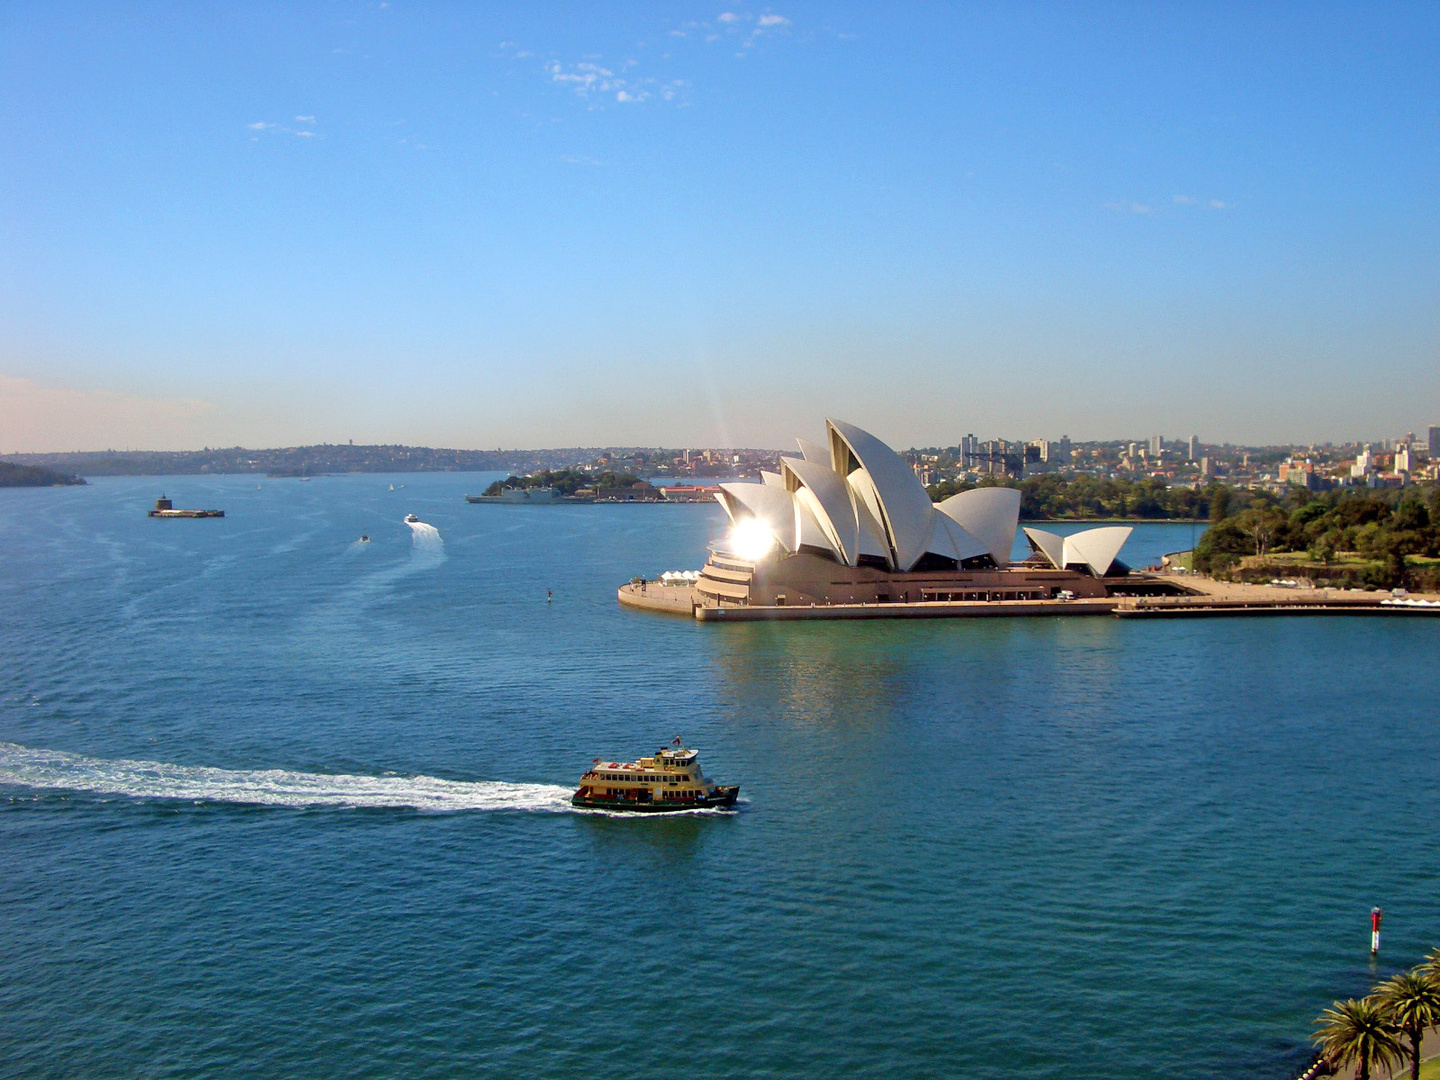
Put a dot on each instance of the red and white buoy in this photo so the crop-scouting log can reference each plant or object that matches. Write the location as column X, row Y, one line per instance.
column 1375, row 914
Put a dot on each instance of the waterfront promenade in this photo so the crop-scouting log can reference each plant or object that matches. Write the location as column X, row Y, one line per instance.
column 1208, row 598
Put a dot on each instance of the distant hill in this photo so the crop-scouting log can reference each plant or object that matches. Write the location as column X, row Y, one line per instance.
column 33, row 476
column 348, row 458
column 303, row 460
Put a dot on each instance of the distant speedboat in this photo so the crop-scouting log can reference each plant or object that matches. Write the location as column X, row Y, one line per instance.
column 364, row 539
column 411, row 519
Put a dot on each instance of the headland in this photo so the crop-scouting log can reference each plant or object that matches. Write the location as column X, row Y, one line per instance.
column 845, row 530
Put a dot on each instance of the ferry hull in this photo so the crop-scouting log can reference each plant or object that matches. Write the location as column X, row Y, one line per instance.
column 724, row 796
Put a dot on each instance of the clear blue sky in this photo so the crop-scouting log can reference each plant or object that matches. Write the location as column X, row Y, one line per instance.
column 556, row 224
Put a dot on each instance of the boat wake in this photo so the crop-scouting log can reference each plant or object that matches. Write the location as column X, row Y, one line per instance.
column 57, row 770
column 425, row 537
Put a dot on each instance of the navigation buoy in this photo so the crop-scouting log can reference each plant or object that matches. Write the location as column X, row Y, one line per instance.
column 547, row 596
column 1375, row 914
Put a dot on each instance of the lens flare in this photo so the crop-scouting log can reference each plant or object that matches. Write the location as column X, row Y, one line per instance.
column 751, row 540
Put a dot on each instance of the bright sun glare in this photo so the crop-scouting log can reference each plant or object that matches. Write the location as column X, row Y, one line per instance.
column 751, row 540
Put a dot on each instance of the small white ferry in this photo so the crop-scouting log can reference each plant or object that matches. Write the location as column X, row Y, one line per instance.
column 671, row 780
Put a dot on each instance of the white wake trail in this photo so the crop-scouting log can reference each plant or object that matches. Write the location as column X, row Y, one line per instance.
column 56, row 769
column 425, row 541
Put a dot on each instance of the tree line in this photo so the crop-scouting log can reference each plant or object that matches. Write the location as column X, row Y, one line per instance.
column 565, row 481
column 1054, row 496
column 1380, row 526
column 33, row 476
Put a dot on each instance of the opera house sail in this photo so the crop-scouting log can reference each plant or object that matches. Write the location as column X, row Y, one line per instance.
column 849, row 522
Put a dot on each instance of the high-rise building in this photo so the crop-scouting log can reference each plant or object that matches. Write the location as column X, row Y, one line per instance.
column 968, row 447
column 1064, row 449
column 1157, row 444
column 1402, row 460
column 1434, row 442
column 1194, row 454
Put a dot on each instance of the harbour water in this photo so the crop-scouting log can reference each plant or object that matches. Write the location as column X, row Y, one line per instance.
column 278, row 803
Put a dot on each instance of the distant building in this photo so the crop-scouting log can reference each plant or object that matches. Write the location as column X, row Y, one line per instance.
column 1157, row 445
column 1304, row 474
column 1402, row 460
column 1434, row 446
column 1194, row 454
column 688, row 493
column 1205, row 466
column 639, row 492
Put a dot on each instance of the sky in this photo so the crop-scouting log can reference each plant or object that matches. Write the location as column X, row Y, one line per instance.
column 560, row 224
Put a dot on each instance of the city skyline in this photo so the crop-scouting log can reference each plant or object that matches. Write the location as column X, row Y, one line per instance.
column 686, row 226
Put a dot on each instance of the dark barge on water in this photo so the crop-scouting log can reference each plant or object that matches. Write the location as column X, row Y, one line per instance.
column 164, row 509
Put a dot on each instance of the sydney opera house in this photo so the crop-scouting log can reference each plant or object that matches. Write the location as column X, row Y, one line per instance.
column 850, row 523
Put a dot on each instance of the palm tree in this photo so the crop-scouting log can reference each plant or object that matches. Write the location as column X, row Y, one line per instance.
column 1430, row 965
column 1411, row 1001
column 1358, row 1031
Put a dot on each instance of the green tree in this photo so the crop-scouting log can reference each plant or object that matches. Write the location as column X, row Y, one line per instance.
column 1219, row 502
column 1410, row 515
column 1358, row 1031
column 1430, row 965
column 1411, row 1001
column 1324, row 547
column 1262, row 525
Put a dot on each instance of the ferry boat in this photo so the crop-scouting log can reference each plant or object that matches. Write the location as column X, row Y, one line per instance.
column 671, row 780
column 411, row 519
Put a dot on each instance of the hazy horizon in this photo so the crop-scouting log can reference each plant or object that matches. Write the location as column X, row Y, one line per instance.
column 668, row 225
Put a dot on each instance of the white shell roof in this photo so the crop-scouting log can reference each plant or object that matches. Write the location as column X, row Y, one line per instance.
column 832, row 507
column 953, row 541
column 809, row 532
column 772, row 506
column 1051, row 545
column 859, row 498
column 813, row 451
column 1095, row 548
column 906, row 509
column 989, row 514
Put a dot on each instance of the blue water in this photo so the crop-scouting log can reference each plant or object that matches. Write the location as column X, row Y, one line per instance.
column 275, row 803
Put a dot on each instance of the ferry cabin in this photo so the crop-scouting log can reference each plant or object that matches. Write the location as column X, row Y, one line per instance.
column 669, row 776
